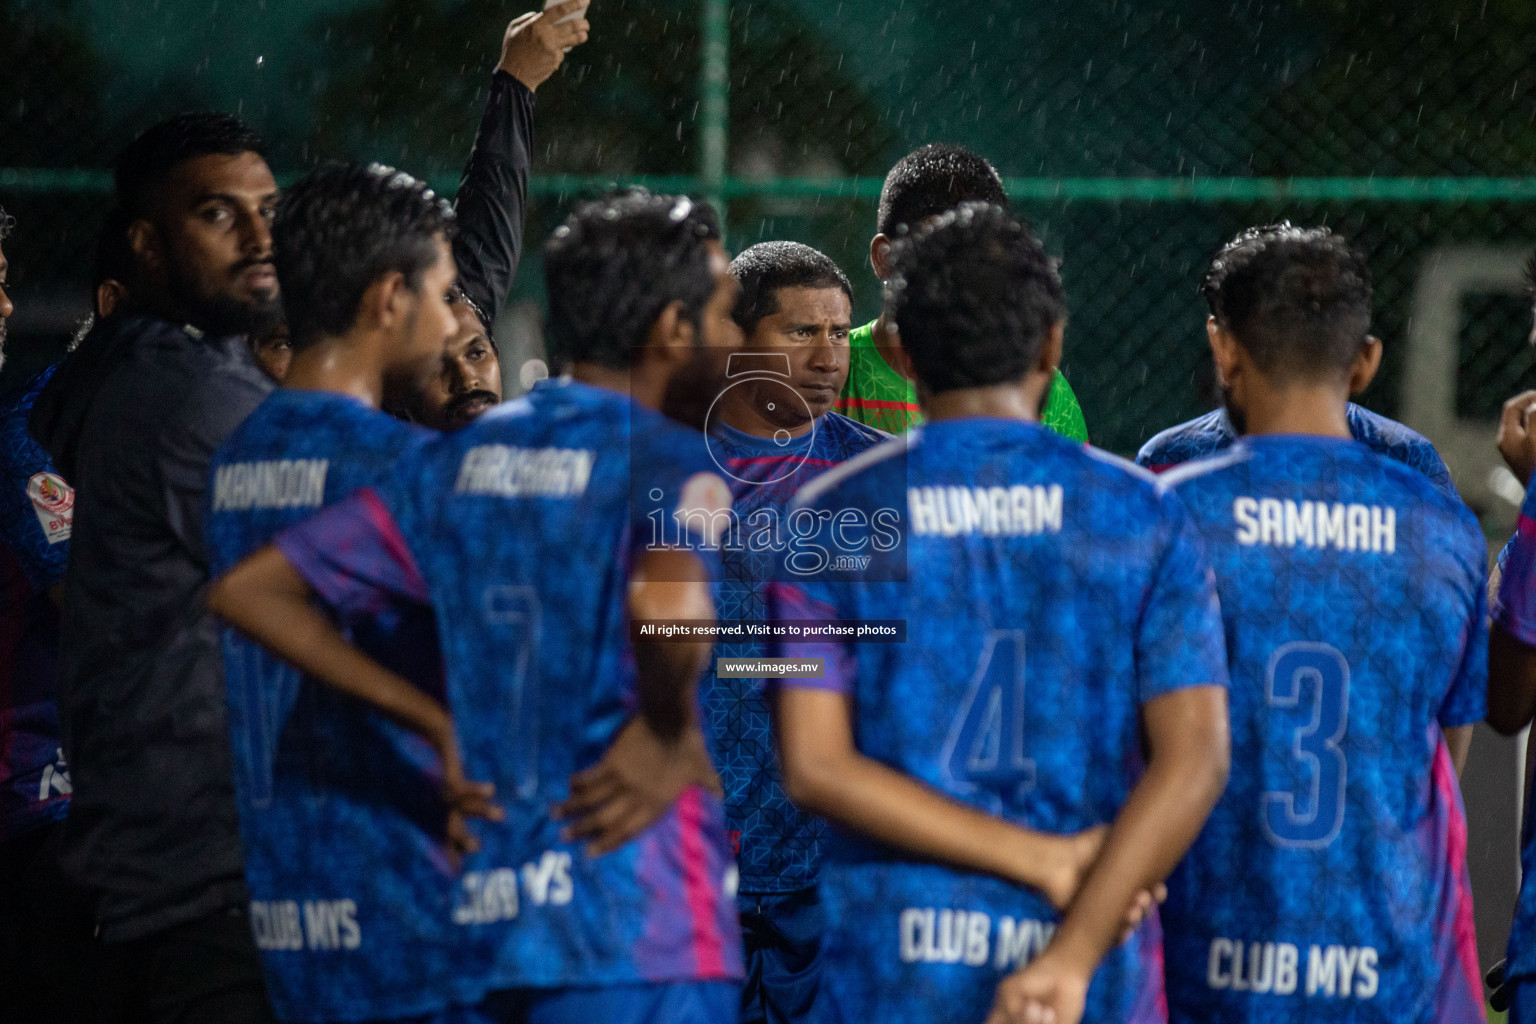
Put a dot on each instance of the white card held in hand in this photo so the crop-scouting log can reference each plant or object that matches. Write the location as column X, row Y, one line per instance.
column 569, row 17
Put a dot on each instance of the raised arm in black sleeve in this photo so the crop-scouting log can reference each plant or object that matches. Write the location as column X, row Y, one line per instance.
column 493, row 196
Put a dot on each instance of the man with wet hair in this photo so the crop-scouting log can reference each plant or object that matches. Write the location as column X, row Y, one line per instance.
column 539, row 533
column 1232, row 300
column 772, row 432
column 365, row 266
column 132, row 418
column 1063, row 671
column 797, row 304
column 925, row 183
column 1330, row 883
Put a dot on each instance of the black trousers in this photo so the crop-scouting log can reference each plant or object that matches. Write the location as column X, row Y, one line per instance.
column 203, row 972
column 53, row 968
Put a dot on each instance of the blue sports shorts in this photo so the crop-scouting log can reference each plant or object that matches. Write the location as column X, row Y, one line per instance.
column 781, row 936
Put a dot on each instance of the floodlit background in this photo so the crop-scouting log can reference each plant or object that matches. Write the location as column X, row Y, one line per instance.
column 1136, row 136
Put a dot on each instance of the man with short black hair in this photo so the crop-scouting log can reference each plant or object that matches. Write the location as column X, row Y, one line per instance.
column 132, row 418
column 467, row 382
column 1062, row 671
column 1353, row 595
column 1217, row 430
column 772, row 432
column 364, row 261
column 925, row 183
column 539, row 533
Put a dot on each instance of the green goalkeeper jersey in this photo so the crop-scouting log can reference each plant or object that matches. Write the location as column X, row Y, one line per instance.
column 878, row 396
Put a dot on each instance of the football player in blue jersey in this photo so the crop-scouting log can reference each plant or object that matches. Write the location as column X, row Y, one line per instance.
column 771, row 432
column 539, row 534
column 1218, row 429
column 1330, row 883
column 339, row 811
column 1063, row 669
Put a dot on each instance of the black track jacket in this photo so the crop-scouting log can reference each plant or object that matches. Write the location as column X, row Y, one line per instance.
column 132, row 419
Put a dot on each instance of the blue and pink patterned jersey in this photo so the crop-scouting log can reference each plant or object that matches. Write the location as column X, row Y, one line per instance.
column 522, row 529
column 340, row 814
column 1212, row 433
column 777, row 845
column 36, row 513
column 1049, row 592
column 1514, row 611
column 1330, row 883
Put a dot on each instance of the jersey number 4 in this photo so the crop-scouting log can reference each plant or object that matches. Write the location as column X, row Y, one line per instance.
column 1317, row 674
column 986, row 741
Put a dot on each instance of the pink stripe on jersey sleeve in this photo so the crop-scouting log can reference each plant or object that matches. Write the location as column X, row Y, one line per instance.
column 774, row 460
column 1150, row 999
column 1461, row 992
column 353, row 555
column 393, row 541
column 700, row 891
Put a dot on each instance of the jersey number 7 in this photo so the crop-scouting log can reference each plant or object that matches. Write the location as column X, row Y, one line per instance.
column 266, row 694
column 518, row 615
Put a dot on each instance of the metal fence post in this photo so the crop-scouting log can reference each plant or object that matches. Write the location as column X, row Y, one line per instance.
column 714, row 103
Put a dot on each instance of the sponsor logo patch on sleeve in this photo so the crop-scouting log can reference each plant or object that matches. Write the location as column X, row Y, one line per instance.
column 54, row 502
column 705, row 507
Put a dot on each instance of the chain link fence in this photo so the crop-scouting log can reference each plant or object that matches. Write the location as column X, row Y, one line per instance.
column 1136, row 136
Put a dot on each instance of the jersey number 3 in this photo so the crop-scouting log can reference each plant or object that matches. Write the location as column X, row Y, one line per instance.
column 1304, row 673
column 986, row 742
